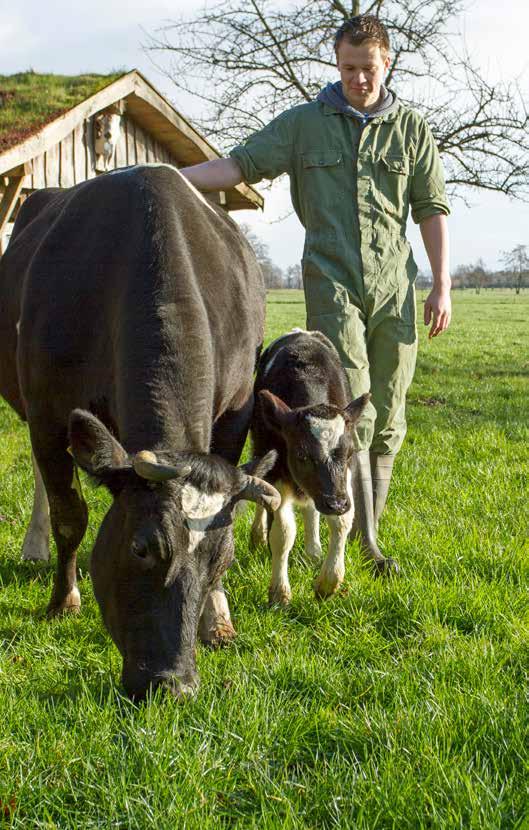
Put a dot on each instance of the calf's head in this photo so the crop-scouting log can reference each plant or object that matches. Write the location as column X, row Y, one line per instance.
column 165, row 541
column 319, row 444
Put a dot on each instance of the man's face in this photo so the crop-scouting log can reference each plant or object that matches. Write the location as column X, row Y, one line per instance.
column 362, row 69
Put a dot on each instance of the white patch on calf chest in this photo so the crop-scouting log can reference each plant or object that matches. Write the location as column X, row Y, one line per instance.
column 327, row 431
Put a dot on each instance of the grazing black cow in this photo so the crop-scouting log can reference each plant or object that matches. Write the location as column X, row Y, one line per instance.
column 131, row 312
column 304, row 411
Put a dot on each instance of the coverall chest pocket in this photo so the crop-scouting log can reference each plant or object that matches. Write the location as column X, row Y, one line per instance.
column 323, row 189
column 394, row 177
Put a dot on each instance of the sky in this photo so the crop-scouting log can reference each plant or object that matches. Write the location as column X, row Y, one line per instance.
column 105, row 35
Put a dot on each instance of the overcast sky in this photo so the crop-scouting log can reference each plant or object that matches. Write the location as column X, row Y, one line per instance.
column 105, row 35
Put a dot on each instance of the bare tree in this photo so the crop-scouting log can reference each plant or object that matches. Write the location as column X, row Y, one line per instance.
column 248, row 60
column 272, row 273
column 474, row 276
column 293, row 278
column 517, row 262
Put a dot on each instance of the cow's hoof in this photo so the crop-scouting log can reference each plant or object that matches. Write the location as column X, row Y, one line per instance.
column 279, row 596
column 218, row 635
column 386, row 567
column 325, row 586
column 70, row 604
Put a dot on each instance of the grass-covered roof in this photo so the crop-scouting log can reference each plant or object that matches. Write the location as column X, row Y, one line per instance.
column 29, row 100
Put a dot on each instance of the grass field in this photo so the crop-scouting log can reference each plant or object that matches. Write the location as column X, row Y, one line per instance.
column 400, row 704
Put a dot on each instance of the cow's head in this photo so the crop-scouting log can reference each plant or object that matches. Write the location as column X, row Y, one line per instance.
column 319, row 442
column 166, row 539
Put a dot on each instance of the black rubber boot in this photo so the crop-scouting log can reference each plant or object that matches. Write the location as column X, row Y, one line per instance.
column 381, row 469
column 364, row 519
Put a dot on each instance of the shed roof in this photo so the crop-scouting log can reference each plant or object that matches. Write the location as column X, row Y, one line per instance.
column 37, row 111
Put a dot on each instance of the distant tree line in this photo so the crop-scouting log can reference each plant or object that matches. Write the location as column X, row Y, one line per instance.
column 274, row 276
column 515, row 273
column 475, row 276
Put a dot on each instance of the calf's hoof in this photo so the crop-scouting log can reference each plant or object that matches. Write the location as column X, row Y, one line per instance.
column 314, row 556
column 325, row 586
column 279, row 596
column 386, row 567
column 218, row 635
column 257, row 539
column 70, row 604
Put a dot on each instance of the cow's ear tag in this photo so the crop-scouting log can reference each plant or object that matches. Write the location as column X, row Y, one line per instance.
column 69, row 449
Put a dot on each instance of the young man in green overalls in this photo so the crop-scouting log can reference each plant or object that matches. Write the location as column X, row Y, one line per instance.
column 358, row 160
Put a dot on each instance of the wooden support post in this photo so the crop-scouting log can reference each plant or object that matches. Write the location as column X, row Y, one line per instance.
column 11, row 194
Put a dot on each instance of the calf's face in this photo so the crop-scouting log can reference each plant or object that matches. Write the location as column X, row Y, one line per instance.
column 319, row 444
column 165, row 541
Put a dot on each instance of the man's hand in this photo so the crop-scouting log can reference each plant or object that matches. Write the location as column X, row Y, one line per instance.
column 438, row 311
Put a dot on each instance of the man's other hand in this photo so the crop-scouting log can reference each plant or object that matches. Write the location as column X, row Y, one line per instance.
column 437, row 311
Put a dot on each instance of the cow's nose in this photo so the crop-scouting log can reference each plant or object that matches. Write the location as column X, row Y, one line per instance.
column 108, row 135
column 336, row 504
column 182, row 688
column 138, row 685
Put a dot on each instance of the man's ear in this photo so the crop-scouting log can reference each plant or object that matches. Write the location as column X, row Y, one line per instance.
column 354, row 410
column 97, row 452
column 277, row 414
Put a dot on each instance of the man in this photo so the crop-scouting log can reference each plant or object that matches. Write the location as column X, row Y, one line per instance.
column 358, row 159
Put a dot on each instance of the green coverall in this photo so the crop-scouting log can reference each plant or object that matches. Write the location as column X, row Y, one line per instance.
column 352, row 187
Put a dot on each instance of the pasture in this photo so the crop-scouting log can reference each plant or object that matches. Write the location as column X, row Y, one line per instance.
column 400, row 704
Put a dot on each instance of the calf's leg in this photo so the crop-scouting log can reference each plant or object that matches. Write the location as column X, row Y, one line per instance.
column 36, row 545
column 333, row 569
column 259, row 531
column 229, row 435
column 311, row 527
column 281, row 540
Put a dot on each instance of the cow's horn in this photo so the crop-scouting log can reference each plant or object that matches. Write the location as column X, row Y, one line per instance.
column 146, row 465
column 261, row 492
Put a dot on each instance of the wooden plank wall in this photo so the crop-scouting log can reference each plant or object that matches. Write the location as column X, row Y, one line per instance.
column 73, row 159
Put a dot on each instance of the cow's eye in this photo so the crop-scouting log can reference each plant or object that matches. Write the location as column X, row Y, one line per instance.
column 301, row 455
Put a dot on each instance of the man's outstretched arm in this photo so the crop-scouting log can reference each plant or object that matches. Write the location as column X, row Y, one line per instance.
column 219, row 174
column 434, row 231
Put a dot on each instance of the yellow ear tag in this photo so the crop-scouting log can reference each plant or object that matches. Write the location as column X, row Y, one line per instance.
column 69, row 449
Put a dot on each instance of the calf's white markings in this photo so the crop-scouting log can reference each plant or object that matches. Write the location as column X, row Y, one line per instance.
column 327, row 431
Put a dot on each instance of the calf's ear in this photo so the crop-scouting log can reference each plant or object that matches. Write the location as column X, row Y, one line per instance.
column 354, row 410
column 96, row 451
column 260, row 466
column 276, row 412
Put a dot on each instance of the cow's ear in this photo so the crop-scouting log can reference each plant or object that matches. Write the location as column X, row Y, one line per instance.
column 96, row 451
column 277, row 414
column 354, row 410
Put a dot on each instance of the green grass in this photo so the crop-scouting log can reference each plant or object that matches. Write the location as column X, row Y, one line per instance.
column 29, row 100
column 399, row 704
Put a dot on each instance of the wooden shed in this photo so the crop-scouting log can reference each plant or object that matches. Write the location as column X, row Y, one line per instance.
column 125, row 122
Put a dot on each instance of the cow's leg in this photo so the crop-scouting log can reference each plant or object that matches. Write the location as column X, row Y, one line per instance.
column 259, row 531
column 281, row 540
column 215, row 626
column 229, row 435
column 69, row 517
column 311, row 526
column 333, row 569
column 36, row 544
